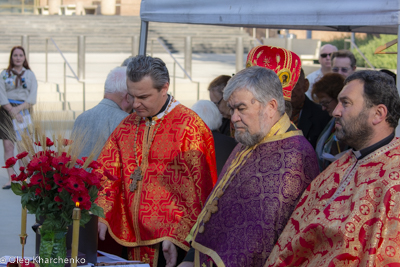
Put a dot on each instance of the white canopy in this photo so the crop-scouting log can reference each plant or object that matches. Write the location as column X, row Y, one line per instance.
column 370, row 16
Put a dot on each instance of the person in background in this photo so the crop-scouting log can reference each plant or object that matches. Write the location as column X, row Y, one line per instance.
column 18, row 93
column 390, row 73
column 343, row 62
column 211, row 116
column 349, row 214
column 307, row 115
column 97, row 124
column 324, row 59
column 215, row 89
column 325, row 92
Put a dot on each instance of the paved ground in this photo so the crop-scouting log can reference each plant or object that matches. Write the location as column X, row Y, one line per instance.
column 10, row 223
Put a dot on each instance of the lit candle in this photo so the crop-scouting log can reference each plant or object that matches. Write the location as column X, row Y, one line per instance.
column 76, row 217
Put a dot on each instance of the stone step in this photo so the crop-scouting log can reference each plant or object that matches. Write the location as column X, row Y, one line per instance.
column 109, row 34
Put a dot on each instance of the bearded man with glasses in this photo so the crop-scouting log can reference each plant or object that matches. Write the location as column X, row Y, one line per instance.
column 325, row 61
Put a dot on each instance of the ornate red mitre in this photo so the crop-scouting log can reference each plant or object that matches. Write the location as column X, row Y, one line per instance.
column 285, row 63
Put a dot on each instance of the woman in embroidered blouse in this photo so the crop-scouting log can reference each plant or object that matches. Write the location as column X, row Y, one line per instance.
column 18, row 91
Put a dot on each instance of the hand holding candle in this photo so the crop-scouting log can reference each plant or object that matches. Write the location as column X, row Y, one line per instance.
column 76, row 217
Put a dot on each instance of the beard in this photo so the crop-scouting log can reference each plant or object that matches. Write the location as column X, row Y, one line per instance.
column 248, row 139
column 355, row 132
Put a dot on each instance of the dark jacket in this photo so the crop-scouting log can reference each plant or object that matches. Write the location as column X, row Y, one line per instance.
column 312, row 121
column 223, row 148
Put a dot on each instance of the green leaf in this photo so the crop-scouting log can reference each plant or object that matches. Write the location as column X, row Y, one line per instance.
column 96, row 210
column 93, row 193
column 16, row 188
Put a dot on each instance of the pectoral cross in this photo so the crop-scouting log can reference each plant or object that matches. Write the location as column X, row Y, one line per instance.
column 135, row 177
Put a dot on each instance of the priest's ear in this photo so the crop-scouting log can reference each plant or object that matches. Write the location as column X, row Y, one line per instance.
column 164, row 89
column 380, row 113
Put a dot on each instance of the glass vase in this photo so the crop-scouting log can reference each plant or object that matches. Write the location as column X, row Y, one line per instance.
column 53, row 247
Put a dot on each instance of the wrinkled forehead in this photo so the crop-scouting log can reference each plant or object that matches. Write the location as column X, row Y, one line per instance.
column 241, row 95
column 354, row 91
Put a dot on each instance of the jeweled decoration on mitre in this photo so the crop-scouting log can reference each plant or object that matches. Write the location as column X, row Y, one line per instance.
column 284, row 63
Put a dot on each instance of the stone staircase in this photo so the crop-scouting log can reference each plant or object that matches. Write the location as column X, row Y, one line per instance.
column 114, row 34
column 108, row 43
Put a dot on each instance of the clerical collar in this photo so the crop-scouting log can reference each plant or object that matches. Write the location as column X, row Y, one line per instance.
column 162, row 109
column 360, row 154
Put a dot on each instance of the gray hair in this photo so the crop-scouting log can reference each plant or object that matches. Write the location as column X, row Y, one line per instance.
column 116, row 81
column 143, row 66
column 126, row 61
column 263, row 83
column 209, row 113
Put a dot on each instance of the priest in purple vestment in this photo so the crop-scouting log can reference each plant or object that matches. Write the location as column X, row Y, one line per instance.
column 260, row 183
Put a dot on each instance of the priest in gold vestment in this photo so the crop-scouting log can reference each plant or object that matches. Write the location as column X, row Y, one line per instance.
column 350, row 214
column 163, row 155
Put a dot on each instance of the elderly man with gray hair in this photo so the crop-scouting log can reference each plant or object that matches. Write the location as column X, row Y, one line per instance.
column 262, row 180
column 96, row 125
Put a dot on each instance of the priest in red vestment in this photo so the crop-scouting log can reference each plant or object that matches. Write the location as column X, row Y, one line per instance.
column 349, row 215
column 265, row 174
column 163, row 155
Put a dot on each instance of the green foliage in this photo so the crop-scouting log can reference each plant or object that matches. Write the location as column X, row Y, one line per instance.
column 368, row 46
column 377, row 60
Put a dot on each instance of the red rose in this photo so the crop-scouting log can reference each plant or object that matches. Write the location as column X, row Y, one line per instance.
column 13, row 177
column 80, row 162
column 36, row 179
column 34, row 165
column 22, row 155
column 22, row 168
column 38, row 191
column 23, row 187
column 58, row 179
column 93, row 179
column 67, row 142
column 61, row 160
column 75, row 184
column 110, row 176
column 94, row 165
column 49, row 143
column 57, row 199
column 21, row 177
column 10, row 162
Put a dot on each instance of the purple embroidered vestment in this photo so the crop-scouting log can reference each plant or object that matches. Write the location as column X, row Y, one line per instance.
column 254, row 197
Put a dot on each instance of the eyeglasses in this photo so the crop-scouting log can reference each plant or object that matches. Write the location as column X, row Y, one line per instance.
column 324, row 55
column 343, row 70
column 219, row 102
column 325, row 103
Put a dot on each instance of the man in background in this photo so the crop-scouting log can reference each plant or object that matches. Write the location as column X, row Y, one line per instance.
column 96, row 125
column 324, row 59
column 344, row 63
column 307, row 115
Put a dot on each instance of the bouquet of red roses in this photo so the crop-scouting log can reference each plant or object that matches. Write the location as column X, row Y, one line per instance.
column 52, row 182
